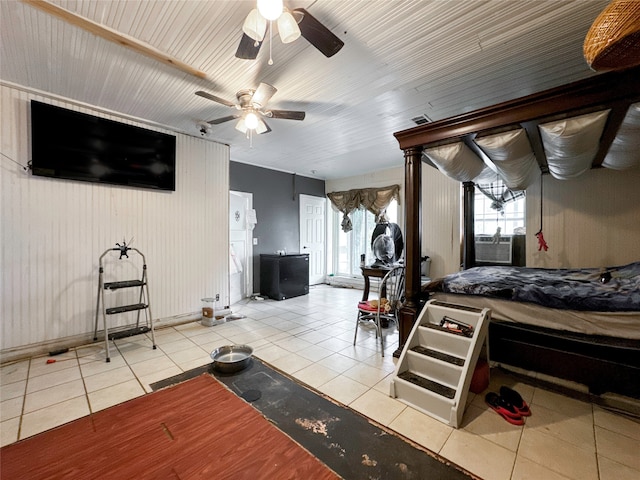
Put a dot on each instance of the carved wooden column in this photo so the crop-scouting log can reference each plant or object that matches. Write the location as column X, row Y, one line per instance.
column 469, row 252
column 413, row 245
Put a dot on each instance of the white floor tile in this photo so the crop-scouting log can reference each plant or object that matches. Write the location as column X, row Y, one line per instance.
column 564, row 439
column 115, row 394
column 107, row 379
column 339, row 363
column 52, row 395
column 52, row 379
column 576, row 429
column 315, row 375
column 610, row 470
column 617, row 447
column 488, row 424
column 291, row 363
column 525, row 469
column 378, row 406
column 158, row 375
column 365, row 374
column 422, row 429
column 557, row 455
column 149, row 367
column 12, row 390
column 270, row 352
column 91, row 366
column 617, row 423
column 52, row 416
column 9, row 431
column 11, row 408
column 478, row 455
column 343, row 389
column 14, row 372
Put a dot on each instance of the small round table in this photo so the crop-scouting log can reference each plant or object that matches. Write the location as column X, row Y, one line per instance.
column 368, row 272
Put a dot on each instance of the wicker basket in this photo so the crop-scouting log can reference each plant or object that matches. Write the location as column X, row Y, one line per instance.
column 613, row 41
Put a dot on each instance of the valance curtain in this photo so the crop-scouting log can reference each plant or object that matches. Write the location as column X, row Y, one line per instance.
column 375, row 200
column 499, row 194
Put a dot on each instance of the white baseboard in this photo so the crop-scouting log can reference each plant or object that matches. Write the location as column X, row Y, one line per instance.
column 43, row 348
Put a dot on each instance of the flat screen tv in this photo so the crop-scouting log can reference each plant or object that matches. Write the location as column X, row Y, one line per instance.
column 76, row 146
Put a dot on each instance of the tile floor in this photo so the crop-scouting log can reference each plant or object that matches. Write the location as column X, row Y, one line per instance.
column 310, row 338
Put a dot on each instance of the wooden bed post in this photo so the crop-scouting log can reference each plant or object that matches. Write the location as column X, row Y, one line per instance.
column 413, row 245
column 469, row 251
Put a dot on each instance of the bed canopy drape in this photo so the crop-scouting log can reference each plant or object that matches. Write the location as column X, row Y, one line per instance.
column 563, row 132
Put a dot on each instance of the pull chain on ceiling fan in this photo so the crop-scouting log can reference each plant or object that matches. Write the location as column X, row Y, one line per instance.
column 255, row 25
column 251, row 106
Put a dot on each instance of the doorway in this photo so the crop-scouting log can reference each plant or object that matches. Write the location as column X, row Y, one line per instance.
column 240, row 246
column 312, row 235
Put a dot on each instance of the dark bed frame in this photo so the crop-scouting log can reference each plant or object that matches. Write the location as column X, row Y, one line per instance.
column 604, row 364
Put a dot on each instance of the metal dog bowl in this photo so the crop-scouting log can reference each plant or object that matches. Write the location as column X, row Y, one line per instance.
column 231, row 358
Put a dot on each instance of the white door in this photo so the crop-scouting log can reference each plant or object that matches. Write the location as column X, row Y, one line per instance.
column 312, row 235
column 240, row 247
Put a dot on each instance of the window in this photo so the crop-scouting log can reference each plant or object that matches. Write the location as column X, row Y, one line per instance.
column 347, row 247
column 487, row 219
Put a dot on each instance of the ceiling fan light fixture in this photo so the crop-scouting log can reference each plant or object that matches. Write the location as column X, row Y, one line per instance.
column 288, row 28
column 251, row 120
column 241, row 126
column 255, row 25
column 270, row 9
column 261, row 127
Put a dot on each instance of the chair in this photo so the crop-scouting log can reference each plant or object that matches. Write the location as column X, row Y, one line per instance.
column 386, row 306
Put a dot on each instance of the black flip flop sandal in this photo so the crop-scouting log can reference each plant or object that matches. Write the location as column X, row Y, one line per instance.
column 503, row 408
column 514, row 398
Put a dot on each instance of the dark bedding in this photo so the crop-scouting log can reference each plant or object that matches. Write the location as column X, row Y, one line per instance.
column 614, row 289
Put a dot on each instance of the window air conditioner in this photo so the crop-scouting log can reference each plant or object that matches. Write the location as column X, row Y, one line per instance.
column 490, row 251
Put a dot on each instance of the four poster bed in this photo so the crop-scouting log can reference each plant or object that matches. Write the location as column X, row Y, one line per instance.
column 578, row 325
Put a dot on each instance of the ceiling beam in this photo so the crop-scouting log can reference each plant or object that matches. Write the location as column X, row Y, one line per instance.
column 113, row 36
column 535, row 139
column 614, row 121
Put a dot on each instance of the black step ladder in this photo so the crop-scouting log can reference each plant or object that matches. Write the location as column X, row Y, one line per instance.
column 434, row 371
column 143, row 303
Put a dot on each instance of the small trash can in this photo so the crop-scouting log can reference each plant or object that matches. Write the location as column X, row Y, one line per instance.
column 208, row 312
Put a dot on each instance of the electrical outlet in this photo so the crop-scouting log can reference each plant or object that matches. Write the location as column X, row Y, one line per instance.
column 255, row 241
column 217, row 297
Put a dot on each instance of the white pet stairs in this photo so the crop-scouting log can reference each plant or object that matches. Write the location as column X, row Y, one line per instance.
column 435, row 368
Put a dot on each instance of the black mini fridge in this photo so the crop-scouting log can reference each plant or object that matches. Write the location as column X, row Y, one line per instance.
column 284, row 276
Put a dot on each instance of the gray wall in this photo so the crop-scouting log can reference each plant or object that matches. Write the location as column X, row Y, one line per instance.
column 276, row 202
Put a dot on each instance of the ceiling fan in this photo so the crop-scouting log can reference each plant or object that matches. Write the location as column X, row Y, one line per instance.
column 291, row 24
column 251, row 105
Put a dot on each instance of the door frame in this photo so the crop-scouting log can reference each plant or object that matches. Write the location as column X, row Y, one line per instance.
column 248, row 267
column 324, row 240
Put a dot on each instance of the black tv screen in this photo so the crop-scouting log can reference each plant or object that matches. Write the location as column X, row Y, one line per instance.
column 76, row 146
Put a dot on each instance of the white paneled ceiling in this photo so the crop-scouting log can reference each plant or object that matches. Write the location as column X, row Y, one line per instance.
column 401, row 59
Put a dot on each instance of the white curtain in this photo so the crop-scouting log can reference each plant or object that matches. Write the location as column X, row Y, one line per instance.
column 571, row 144
column 512, row 157
column 456, row 161
column 625, row 149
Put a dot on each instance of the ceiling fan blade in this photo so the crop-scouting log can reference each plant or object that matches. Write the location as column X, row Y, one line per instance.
column 218, row 121
column 286, row 114
column 263, row 94
column 318, row 35
column 247, row 49
column 208, row 96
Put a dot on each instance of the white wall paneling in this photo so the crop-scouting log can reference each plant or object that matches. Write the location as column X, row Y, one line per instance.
column 441, row 221
column 52, row 233
column 589, row 221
